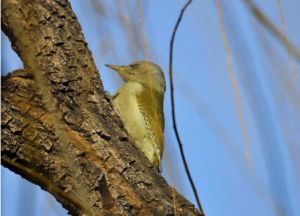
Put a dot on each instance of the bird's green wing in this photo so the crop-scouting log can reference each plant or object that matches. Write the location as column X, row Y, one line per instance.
column 151, row 104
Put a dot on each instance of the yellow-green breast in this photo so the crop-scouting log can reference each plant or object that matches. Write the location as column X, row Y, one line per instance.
column 141, row 110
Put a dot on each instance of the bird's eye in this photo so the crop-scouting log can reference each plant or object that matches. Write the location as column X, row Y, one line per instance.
column 134, row 65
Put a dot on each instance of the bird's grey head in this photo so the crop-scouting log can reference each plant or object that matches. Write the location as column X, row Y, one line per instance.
column 146, row 73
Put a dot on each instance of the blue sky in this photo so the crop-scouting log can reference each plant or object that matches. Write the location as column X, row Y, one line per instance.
column 205, row 103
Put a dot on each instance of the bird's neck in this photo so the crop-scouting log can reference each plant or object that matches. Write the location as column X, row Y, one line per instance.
column 155, row 86
column 155, row 90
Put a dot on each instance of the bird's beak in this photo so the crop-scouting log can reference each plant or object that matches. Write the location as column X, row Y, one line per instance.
column 114, row 67
column 117, row 68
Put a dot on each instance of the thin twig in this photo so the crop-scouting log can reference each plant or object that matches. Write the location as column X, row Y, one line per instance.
column 271, row 27
column 234, row 85
column 153, row 99
column 285, row 37
column 173, row 108
column 146, row 55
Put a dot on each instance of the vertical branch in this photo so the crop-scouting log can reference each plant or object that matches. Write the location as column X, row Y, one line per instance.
column 152, row 96
column 288, row 49
column 148, row 68
column 146, row 54
column 173, row 107
column 234, row 85
column 145, row 44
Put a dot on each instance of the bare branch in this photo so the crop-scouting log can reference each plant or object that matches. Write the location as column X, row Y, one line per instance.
column 234, row 85
column 271, row 27
column 173, row 107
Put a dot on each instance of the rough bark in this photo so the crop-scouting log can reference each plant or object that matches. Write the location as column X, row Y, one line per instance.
column 59, row 129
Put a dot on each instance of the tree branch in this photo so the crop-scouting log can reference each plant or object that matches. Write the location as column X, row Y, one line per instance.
column 59, row 129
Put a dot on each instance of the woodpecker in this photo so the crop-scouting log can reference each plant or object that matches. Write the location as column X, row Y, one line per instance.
column 139, row 103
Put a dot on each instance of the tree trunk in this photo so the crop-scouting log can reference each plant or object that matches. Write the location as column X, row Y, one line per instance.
column 59, row 129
